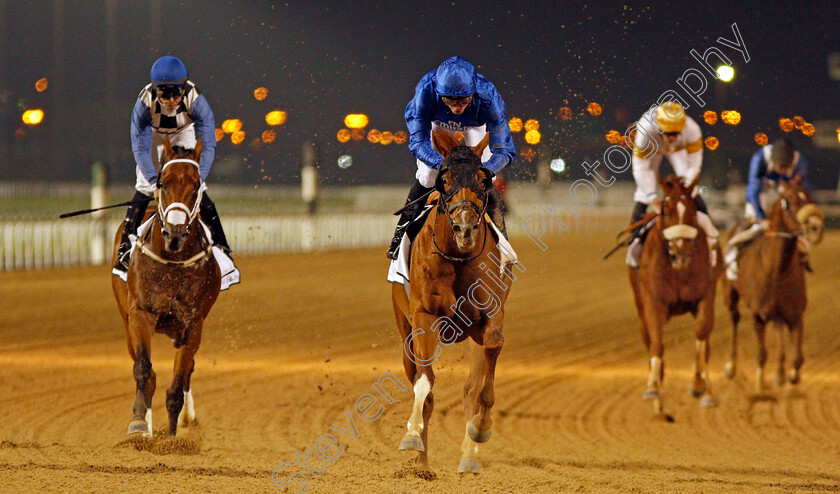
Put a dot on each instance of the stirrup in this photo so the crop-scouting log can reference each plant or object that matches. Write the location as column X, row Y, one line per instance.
column 123, row 257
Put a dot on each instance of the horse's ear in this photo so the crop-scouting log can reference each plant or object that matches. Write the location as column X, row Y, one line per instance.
column 167, row 147
column 197, row 150
column 485, row 178
column 694, row 183
column 479, row 148
column 443, row 142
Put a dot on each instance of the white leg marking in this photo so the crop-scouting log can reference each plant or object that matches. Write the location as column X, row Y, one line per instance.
column 421, row 390
column 655, row 372
column 149, row 422
column 187, row 415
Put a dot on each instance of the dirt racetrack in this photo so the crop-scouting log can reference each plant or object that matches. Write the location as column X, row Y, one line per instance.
column 285, row 353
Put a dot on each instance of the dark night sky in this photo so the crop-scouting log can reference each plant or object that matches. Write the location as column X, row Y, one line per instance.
column 322, row 60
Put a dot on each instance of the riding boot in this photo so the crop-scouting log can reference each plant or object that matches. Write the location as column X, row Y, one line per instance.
column 133, row 217
column 634, row 250
column 409, row 214
column 700, row 204
column 207, row 211
column 495, row 209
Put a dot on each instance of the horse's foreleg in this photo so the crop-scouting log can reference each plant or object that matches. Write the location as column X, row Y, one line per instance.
column 735, row 316
column 796, row 333
column 404, row 327
column 654, row 314
column 422, row 350
column 761, row 354
column 480, row 426
column 179, row 394
column 637, row 298
column 702, row 386
column 478, row 365
column 141, row 327
column 779, row 378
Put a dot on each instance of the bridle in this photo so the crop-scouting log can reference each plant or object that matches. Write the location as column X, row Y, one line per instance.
column 447, row 210
column 674, row 232
column 180, row 214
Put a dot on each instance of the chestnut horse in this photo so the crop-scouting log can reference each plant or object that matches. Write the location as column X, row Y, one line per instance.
column 675, row 276
column 172, row 282
column 771, row 280
column 453, row 258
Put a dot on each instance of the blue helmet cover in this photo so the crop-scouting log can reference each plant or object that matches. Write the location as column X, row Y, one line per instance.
column 455, row 78
column 168, row 70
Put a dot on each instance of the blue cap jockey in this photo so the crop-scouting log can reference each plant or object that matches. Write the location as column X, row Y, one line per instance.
column 773, row 163
column 454, row 98
column 170, row 105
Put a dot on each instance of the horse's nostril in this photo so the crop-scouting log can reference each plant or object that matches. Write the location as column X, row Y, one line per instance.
column 456, row 228
column 165, row 233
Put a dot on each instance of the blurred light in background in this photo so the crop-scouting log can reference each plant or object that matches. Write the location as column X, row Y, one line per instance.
column 357, row 134
column 532, row 137
column 786, row 124
column 386, row 138
column 515, row 124
column 41, row 85
column 725, row 73
column 528, row 153
column 232, row 125
column 712, row 143
column 594, row 109
column 530, row 125
column 343, row 135
column 268, row 136
column 275, row 117
column 564, row 113
column 558, row 165
column 798, row 122
column 400, row 137
column 710, row 117
column 373, row 136
column 613, row 137
column 32, row 117
column 761, row 139
column 356, row 121
column 260, row 93
column 345, row 161
column 730, row 117
column 838, row 134
column 220, row 134
column 237, row 137
column 808, row 129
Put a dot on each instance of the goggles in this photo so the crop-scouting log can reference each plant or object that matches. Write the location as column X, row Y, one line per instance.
column 465, row 101
column 170, row 91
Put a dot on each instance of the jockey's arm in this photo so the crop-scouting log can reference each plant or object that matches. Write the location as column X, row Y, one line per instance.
column 693, row 163
column 755, row 183
column 643, row 171
column 501, row 139
column 802, row 171
column 418, row 118
column 141, row 140
column 205, row 129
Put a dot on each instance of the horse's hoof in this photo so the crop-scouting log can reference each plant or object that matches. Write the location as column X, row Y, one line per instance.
column 651, row 394
column 708, row 402
column 793, row 376
column 698, row 392
column 138, row 427
column 411, row 443
column 468, row 465
column 475, row 435
column 729, row 370
column 185, row 419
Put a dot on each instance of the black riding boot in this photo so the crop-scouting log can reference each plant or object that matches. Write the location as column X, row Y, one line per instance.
column 133, row 218
column 495, row 209
column 639, row 211
column 207, row 211
column 408, row 215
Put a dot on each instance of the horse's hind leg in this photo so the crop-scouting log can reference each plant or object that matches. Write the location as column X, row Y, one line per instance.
column 187, row 415
column 422, row 349
column 761, row 354
column 729, row 369
column 179, row 391
column 779, row 378
column 796, row 332
column 480, row 426
column 702, row 387
column 478, row 366
column 141, row 325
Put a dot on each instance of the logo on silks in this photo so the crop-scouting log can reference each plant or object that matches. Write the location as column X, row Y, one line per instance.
column 450, row 125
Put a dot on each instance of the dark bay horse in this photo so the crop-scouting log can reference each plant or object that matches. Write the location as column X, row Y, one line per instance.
column 172, row 282
column 458, row 289
column 771, row 280
column 675, row 276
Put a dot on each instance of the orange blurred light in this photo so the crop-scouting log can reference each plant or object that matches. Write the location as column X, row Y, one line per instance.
column 268, row 136
column 786, row 124
column 838, row 134
column 532, row 136
column 220, row 134
column 400, row 137
column 531, row 124
column 761, row 139
column 276, row 117
column 41, row 85
column 594, row 109
column 374, row 136
column 808, row 129
column 237, row 137
column 710, row 117
column 564, row 113
column 529, row 154
column 260, row 93
column 730, row 117
column 32, row 117
column 798, row 122
column 232, row 125
column 356, row 121
column 343, row 135
column 515, row 124
column 386, row 138
column 712, row 143
column 357, row 134
column 613, row 137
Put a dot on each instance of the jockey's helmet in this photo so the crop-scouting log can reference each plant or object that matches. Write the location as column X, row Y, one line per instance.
column 455, row 78
column 671, row 117
column 168, row 71
column 782, row 154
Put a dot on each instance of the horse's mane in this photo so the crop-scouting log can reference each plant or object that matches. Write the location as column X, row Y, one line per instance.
column 181, row 151
column 462, row 161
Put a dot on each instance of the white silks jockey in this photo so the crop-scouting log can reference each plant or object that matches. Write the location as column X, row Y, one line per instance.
column 667, row 131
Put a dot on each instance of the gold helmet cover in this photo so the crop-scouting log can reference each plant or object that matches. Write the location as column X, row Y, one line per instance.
column 670, row 116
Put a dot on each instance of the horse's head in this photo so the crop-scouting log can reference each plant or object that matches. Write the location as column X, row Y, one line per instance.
column 463, row 185
column 795, row 211
column 678, row 219
column 178, row 194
